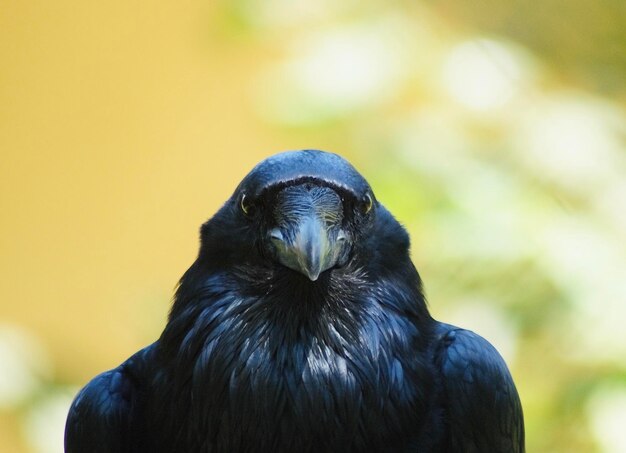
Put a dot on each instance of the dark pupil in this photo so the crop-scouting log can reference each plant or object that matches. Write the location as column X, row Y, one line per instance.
column 365, row 205
column 247, row 206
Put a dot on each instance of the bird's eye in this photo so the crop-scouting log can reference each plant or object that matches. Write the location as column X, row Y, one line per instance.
column 246, row 205
column 367, row 203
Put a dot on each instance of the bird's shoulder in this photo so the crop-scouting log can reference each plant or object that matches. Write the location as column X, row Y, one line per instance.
column 102, row 417
column 481, row 404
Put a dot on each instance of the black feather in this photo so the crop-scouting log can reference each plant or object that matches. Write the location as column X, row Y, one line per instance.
column 256, row 357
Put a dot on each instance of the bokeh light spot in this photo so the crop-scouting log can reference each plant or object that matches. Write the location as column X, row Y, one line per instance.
column 481, row 74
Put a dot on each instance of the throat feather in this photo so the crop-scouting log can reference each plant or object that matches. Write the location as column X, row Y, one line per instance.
column 338, row 370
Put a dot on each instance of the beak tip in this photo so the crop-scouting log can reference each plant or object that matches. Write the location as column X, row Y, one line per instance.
column 312, row 270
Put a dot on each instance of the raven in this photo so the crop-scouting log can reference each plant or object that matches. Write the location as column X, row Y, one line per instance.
column 302, row 327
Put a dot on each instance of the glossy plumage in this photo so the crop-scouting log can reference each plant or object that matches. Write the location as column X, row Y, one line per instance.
column 302, row 327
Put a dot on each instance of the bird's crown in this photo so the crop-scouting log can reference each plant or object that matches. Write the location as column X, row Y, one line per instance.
column 304, row 165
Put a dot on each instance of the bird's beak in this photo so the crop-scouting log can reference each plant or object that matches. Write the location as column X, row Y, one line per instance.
column 311, row 249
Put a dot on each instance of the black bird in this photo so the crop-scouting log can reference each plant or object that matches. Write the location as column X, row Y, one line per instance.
column 302, row 327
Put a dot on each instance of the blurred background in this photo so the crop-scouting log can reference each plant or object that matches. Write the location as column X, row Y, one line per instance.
column 494, row 130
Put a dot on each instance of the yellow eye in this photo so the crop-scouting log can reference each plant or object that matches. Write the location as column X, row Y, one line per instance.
column 245, row 205
column 368, row 202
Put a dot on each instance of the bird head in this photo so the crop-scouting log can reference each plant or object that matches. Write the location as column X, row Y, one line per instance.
column 306, row 211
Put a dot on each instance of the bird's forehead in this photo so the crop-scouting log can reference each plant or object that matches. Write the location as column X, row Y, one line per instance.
column 306, row 165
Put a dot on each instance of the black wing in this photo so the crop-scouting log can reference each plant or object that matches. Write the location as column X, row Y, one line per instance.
column 104, row 416
column 482, row 409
